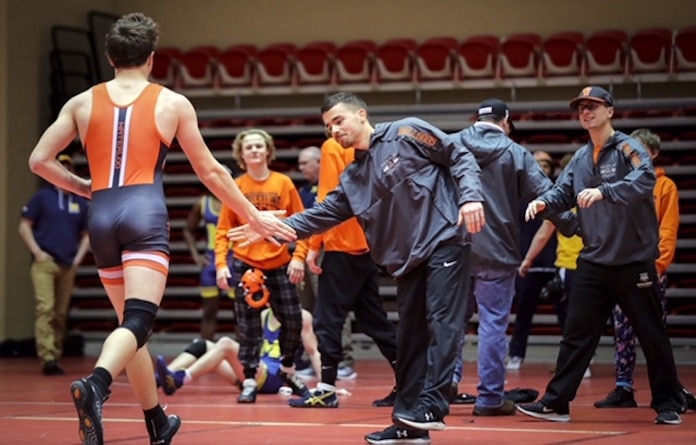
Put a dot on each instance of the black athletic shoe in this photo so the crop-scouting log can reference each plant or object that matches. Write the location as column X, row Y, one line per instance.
column 421, row 418
column 389, row 400
column 164, row 435
column 690, row 399
column 51, row 367
column 395, row 435
column 88, row 403
column 541, row 411
column 668, row 417
column 619, row 397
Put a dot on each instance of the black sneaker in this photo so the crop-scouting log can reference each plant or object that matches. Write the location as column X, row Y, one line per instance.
column 668, row 417
column 168, row 380
column 51, row 367
column 619, row 397
column 321, row 398
column 541, row 411
column 297, row 385
column 395, row 435
column 88, row 403
column 164, row 435
column 389, row 400
column 248, row 394
column 421, row 418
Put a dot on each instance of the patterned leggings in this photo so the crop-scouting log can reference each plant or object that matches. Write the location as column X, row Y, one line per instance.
column 625, row 339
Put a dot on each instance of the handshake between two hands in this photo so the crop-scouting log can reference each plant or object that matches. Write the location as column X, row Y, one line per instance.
column 268, row 226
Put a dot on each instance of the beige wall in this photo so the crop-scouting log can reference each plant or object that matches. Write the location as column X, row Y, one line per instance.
column 24, row 71
column 24, row 113
column 4, row 189
column 222, row 22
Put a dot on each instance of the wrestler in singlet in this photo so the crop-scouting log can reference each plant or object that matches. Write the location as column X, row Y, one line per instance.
column 268, row 377
column 210, row 211
column 128, row 219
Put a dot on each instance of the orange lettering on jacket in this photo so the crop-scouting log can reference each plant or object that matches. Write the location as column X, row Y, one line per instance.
column 427, row 139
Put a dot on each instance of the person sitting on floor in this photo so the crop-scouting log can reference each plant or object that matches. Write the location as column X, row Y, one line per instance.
column 203, row 357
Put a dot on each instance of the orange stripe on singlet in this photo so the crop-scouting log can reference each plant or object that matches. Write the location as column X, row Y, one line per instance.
column 123, row 145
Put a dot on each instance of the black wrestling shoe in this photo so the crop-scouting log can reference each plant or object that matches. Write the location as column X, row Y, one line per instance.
column 163, row 436
column 88, row 402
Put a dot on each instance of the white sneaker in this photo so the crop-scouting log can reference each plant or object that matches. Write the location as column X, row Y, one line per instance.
column 587, row 374
column 514, row 364
column 346, row 373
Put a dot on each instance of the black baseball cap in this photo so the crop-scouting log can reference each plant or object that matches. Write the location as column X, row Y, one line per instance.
column 595, row 94
column 496, row 108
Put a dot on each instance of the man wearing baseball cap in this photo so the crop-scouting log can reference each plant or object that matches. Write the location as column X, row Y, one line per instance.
column 509, row 174
column 497, row 111
column 611, row 181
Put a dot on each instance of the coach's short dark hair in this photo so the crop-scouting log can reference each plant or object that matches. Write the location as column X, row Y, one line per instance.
column 351, row 100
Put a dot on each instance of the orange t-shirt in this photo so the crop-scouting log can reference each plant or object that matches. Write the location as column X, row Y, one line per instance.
column 348, row 236
column 277, row 192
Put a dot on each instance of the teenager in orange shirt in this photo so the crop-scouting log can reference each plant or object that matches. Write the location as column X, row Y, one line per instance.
column 253, row 150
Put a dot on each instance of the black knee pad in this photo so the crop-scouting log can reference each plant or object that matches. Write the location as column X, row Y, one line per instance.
column 197, row 347
column 138, row 317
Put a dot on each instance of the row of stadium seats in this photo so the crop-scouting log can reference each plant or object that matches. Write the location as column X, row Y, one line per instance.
column 653, row 54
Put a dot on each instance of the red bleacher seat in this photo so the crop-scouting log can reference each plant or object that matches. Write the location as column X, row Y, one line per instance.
column 519, row 56
column 236, row 66
column 435, row 59
column 394, row 60
column 685, row 53
column 563, row 54
column 355, row 62
column 274, row 64
column 651, row 52
column 314, row 63
column 606, row 54
column 197, row 68
column 478, row 57
column 165, row 66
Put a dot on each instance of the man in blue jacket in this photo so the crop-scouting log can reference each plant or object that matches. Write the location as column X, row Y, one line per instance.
column 413, row 189
column 611, row 180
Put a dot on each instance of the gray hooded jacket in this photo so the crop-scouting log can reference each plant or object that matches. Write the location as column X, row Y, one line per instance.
column 509, row 175
column 405, row 190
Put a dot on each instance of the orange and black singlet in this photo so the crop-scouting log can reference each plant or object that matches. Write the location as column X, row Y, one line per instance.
column 126, row 153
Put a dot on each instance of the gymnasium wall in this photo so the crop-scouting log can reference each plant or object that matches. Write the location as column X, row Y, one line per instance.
column 25, row 44
column 223, row 22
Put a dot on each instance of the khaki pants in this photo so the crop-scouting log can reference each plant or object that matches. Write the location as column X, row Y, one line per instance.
column 53, row 285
